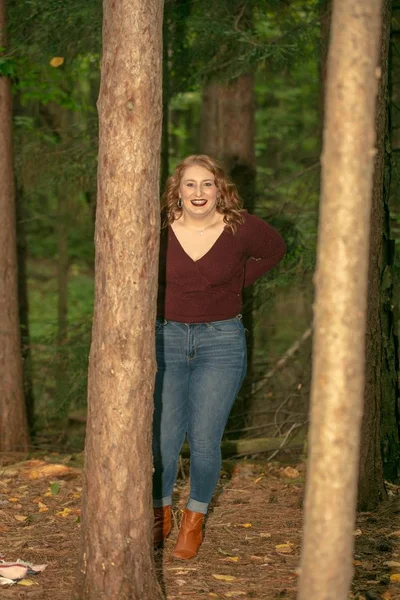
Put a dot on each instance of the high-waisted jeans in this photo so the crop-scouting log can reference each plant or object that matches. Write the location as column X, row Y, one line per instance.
column 200, row 368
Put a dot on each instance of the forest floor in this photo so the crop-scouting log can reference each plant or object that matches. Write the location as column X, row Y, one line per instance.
column 252, row 536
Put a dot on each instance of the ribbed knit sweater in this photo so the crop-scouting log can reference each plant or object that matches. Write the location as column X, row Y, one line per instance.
column 210, row 289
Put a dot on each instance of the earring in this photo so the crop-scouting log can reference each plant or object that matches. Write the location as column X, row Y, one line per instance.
column 180, row 203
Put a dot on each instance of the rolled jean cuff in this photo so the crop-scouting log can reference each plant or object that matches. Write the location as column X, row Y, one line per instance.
column 196, row 506
column 160, row 502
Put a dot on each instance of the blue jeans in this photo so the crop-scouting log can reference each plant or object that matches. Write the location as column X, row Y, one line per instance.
column 200, row 368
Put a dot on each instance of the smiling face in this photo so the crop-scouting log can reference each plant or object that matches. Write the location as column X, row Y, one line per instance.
column 198, row 192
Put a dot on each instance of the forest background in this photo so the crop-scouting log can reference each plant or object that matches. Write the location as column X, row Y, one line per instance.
column 244, row 82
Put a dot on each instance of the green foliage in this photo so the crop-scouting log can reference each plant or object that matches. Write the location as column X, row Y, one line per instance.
column 7, row 66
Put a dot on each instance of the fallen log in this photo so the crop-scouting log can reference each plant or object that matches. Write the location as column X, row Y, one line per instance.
column 254, row 445
column 243, row 447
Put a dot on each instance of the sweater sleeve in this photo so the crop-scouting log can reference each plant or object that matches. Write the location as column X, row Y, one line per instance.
column 264, row 246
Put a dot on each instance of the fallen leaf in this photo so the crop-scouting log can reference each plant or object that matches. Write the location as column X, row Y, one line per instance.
column 245, row 525
column 49, row 470
column 395, row 533
column 357, row 532
column 20, row 518
column 54, row 488
column 224, row 552
column 231, row 558
column 235, row 594
column 56, row 61
column 13, row 499
column 224, row 577
column 258, row 479
column 64, row 513
column 42, row 507
column 392, row 563
column 290, row 472
column 395, row 577
column 284, row 548
column 265, row 535
column 27, row 582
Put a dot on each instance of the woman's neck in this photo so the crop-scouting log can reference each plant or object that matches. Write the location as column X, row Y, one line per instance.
column 200, row 223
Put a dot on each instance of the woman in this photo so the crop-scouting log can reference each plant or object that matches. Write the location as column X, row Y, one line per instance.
column 210, row 250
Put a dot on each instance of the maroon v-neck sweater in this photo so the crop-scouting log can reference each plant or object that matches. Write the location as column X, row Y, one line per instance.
column 210, row 289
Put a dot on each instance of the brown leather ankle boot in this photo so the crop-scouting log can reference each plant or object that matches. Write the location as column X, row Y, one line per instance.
column 190, row 535
column 162, row 523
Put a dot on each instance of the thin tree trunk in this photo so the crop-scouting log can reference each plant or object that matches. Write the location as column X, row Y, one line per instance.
column 62, row 268
column 24, row 310
column 341, row 301
column 116, row 557
column 380, row 385
column 228, row 129
column 13, row 423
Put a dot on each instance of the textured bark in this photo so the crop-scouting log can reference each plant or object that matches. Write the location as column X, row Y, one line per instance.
column 116, row 558
column 380, row 382
column 13, row 422
column 341, row 300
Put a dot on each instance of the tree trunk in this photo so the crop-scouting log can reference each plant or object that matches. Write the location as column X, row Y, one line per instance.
column 13, row 423
column 24, row 310
column 62, row 268
column 228, row 129
column 379, row 428
column 116, row 557
column 341, row 301
column 227, row 133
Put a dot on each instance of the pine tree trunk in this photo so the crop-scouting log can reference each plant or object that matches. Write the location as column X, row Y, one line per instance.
column 24, row 310
column 228, row 129
column 341, row 301
column 379, row 429
column 116, row 557
column 227, row 133
column 13, row 423
column 62, row 268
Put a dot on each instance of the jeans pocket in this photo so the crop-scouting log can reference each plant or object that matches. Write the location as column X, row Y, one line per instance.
column 228, row 326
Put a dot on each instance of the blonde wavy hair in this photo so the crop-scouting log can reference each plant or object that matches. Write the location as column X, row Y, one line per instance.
column 229, row 203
